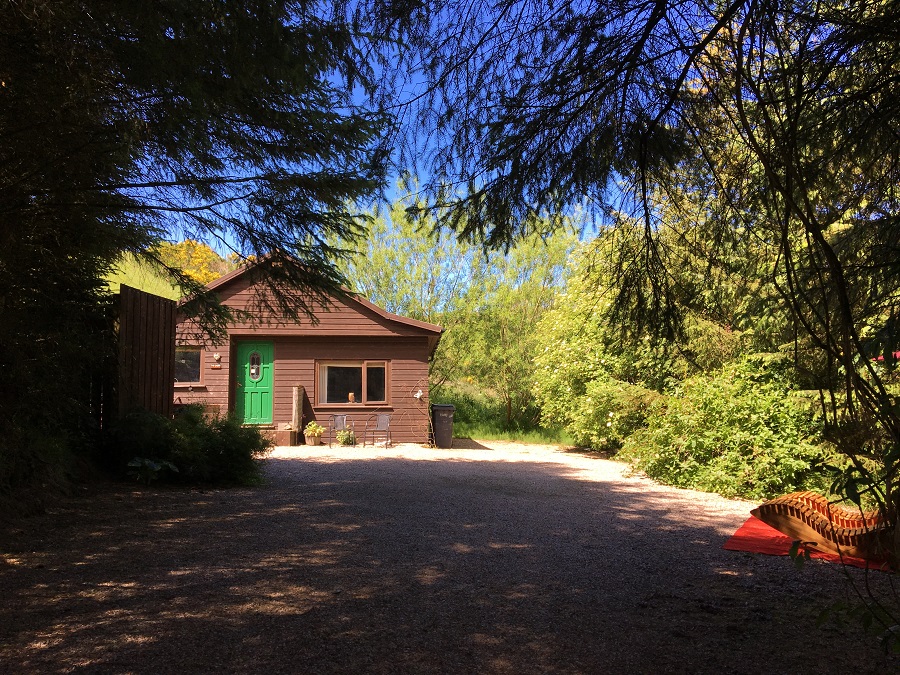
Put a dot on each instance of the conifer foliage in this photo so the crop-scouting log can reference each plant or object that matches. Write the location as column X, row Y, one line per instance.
column 767, row 126
column 125, row 123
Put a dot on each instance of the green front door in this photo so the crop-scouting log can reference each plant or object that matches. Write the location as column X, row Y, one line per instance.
column 253, row 400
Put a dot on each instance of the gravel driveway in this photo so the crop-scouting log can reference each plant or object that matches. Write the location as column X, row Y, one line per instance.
column 499, row 558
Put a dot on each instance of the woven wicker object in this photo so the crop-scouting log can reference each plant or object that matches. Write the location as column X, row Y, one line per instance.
column 809, row 517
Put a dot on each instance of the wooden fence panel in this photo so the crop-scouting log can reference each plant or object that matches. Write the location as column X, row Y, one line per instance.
column 146, row 351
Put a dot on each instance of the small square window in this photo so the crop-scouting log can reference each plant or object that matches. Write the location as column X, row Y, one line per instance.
column 187, row 364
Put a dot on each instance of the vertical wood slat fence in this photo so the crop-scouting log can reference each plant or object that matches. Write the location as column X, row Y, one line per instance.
column 146, row 362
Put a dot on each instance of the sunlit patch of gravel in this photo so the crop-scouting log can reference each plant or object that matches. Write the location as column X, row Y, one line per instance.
column 490, row 557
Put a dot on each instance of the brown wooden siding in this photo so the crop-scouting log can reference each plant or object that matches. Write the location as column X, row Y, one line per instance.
column 407, row 360
column 295, row 364
column 146, row 351
column 213, row 388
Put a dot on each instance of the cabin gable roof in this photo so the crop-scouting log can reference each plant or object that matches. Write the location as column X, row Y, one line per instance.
column 347, row 315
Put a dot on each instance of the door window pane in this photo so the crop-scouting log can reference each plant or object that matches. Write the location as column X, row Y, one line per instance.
column 255, row 367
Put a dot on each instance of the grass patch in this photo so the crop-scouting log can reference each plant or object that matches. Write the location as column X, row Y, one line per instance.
column 490, row 433
column 480, row 414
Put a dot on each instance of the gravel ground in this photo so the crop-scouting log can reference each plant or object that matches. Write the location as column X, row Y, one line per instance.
column 494, row 558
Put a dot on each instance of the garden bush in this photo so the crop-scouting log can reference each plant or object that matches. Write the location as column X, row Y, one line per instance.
column 473, row 407
column 201, row 448
column 34, row 468
column 608, row 412
column 743, row 432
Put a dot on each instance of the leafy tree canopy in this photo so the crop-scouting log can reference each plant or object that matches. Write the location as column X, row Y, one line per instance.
column 771, row 126
column 216, row 120
column 765, row 124
column 488, row 304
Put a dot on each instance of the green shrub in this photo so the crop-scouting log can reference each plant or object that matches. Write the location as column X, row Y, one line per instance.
column 146, row 470
column 741, row 433
column 609, row 412
column 35, row 466
column 313, row 429
column 346, row 437
column 200, row 448
column 473, row 407
column 137, row 434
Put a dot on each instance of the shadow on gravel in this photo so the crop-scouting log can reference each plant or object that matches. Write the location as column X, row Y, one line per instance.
column 468, row 444
column 399, row 566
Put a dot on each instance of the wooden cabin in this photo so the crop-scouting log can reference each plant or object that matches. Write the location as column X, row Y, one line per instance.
column 357, row 360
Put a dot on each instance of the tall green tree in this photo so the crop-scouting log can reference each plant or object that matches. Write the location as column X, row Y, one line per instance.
column 503, row 335
column 124, row 122
column 410, row 267
column 777, row 115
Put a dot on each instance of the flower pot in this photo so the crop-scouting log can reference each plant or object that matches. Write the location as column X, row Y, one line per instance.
column 313, row 440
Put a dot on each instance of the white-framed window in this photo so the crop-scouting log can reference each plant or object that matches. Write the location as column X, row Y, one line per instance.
column 352, row 382
column 188, row 365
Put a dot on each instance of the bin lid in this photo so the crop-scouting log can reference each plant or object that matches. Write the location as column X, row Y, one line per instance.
column 443, row 406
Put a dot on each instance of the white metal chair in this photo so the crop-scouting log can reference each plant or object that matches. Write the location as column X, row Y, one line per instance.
column 378, row 424
column 338, row 423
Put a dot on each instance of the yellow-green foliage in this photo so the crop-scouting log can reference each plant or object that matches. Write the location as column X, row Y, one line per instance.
column 689, row 413
column 143, row 276
column 586, row 380
column 195, row 259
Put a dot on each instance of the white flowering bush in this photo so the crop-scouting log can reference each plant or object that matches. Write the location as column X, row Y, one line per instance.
column 610, row 412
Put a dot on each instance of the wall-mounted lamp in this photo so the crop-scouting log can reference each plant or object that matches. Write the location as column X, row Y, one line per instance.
column 217, row 357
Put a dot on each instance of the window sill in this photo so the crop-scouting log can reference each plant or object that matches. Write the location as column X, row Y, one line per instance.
column 352, row 406
column 189, row 386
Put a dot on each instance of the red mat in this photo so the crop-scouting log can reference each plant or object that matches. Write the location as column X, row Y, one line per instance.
column 755, row 536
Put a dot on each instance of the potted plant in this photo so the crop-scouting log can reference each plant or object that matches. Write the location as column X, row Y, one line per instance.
column 313, row 433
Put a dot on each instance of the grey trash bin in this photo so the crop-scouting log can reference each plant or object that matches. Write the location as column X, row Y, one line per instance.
column 442, row 418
